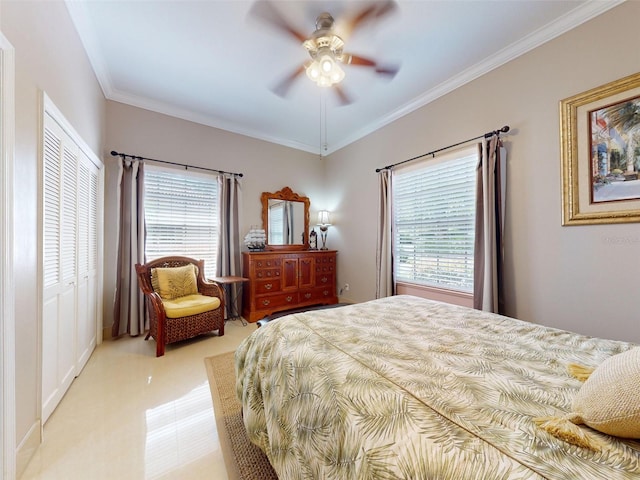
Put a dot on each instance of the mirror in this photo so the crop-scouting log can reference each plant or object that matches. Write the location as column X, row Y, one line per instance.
column 285, row 219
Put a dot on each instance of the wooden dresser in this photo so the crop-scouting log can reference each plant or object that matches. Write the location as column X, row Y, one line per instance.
column 282, row 280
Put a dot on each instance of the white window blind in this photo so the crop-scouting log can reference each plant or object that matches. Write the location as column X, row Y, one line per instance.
column 434, row 222
column 181, row 215
column 276, row 222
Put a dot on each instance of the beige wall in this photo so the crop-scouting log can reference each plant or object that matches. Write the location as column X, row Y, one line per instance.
column 265, row 166
column 49, row 57
column 580, row 278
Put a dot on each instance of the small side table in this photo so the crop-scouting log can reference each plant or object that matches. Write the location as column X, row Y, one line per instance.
column 230, row 299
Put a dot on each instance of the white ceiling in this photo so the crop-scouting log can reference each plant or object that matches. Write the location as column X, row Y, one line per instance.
column 210, row 62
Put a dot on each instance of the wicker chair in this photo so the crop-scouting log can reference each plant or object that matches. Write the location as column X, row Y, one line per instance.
column 168, row 330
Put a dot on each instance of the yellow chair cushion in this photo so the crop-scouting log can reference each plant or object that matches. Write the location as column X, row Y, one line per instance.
column 189, row 305
column 175, row 282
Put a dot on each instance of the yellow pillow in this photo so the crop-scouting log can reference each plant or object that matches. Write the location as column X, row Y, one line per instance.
column 174, row 282
column 608, row 402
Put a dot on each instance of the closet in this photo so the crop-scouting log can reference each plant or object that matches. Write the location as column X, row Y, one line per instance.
column 72, row 197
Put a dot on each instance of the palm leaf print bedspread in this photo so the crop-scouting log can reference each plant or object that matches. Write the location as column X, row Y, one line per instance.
column 406, row 388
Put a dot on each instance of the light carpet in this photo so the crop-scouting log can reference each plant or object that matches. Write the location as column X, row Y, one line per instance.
column 244, row 460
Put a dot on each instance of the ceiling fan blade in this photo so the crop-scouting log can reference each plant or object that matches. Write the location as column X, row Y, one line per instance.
column 282, row 88
column 375, row 11
column 266, row 11
column 343, row 98
column 388, row 70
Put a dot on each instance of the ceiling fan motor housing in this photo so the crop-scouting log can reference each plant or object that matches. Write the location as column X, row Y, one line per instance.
column 324, row 41
column 324, row 21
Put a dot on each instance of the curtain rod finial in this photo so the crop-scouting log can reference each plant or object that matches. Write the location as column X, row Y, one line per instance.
column 505, row 129
column 114, row 153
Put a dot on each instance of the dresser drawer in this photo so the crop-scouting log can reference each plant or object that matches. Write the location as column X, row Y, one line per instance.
column 265, row 273
column 324, row 279
column 276, row 301
column 316, row 294
column 325, row 265
column 266, row 263
column 268, row 286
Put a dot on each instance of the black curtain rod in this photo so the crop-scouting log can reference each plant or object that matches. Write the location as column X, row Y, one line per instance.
column 504, row 129
column 134, row 157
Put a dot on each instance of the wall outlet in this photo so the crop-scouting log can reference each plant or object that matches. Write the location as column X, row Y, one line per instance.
column 346, row 287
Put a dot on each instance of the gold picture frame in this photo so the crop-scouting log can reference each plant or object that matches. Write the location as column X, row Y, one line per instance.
column 595, row 142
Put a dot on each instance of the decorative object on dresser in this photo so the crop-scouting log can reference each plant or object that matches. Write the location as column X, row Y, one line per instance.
column 283, row 280
column 313, row 240
column 323, row 223
column 256, row 239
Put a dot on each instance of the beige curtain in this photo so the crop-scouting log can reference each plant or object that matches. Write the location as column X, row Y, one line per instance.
column 128, row 311
column 384, row 248
column 488, row 280
column 230, row 243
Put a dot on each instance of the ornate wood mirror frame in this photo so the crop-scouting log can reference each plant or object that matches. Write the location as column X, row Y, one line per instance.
column 286, row 194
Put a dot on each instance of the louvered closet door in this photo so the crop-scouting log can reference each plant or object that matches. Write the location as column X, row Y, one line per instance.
column 87, row 261
column 60, row 265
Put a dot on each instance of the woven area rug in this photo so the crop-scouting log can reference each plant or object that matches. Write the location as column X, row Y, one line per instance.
column 244, row 461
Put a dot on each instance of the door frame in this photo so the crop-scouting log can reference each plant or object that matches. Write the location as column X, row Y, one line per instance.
column 7, row 287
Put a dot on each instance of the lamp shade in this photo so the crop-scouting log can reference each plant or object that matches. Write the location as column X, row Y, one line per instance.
column 323, row 218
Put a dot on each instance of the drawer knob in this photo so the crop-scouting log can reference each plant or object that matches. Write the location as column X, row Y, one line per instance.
column 324, row 280
column 289, row 298
column 307, row 296
column 268, row 286
column 266, row 302
column 326, row 293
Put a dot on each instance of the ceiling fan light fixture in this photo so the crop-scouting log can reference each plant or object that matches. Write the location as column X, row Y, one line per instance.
column 327, row 64
column 313, row 70
column 325, row 71
column 337, row 74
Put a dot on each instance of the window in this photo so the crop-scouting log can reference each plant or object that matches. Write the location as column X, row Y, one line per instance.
column 181, row 215
column 434, row 222
column 276, row 222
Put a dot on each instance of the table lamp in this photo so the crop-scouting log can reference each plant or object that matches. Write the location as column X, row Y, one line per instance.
column 323, row 223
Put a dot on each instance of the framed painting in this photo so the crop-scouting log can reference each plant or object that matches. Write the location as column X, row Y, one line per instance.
column 600, row 150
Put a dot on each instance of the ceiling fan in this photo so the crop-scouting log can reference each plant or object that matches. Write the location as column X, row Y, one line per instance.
column 325, row 46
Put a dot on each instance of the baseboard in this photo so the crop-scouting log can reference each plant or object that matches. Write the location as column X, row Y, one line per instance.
column 344, row 299
column 28, row 447
column 106, row 333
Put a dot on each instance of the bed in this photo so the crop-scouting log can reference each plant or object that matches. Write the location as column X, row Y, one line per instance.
column 406, row 388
